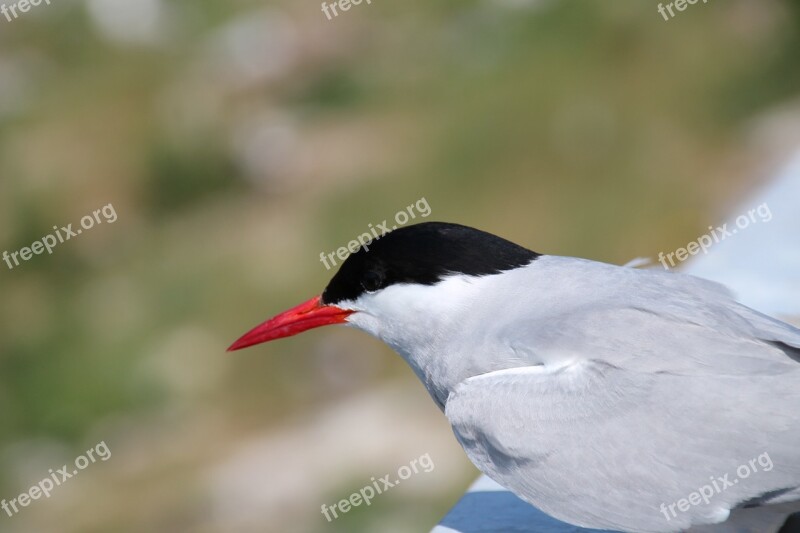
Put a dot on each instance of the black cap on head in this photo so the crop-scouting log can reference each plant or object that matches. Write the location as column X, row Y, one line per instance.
column 424, row 254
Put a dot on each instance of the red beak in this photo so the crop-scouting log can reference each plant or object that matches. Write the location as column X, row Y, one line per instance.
column 307, row 315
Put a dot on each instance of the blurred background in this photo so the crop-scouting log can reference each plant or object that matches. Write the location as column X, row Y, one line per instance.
column 237, row 140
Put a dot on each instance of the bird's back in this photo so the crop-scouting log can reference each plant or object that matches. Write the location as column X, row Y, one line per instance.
column 652, row 383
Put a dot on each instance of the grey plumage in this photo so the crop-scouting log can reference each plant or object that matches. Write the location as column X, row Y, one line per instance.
column 643, row 386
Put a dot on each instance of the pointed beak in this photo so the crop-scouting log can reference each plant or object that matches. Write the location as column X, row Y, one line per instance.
column 307, row 315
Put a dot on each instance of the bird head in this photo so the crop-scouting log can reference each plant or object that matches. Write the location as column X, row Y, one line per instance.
column 395, row 286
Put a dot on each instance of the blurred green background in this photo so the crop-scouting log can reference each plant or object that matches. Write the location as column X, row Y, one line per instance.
column 239, row 139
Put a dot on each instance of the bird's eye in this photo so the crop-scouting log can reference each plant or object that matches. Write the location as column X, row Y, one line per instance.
column 372, row 281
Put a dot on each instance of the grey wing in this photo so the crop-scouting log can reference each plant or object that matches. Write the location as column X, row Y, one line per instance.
column 657, row 321
column 778, row 334
column 605, row 447
column 716, row 307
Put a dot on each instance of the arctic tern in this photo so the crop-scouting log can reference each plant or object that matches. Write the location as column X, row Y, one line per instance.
column 606, row 396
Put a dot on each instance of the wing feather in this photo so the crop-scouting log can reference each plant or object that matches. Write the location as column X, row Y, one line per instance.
column 604, row 447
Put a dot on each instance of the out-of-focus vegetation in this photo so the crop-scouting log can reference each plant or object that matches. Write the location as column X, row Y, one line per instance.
column 238, row 140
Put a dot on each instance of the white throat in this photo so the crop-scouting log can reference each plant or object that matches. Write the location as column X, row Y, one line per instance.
column 436, row 329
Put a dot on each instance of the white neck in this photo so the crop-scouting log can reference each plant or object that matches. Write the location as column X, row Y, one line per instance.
column 436, row 330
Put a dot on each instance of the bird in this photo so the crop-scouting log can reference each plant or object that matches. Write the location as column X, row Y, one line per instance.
column 609, row 397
